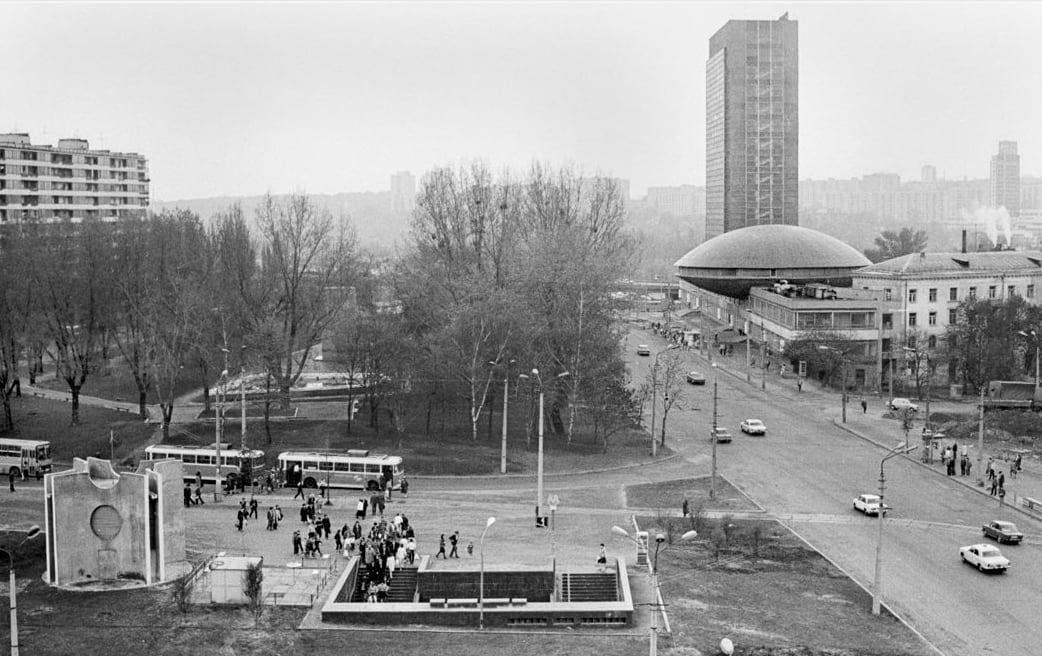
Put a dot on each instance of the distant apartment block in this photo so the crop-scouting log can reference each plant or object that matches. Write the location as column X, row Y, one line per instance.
column 403, row 192
column 682, row 200
column 752, row 125
column 886, row 196
column 69, row 182
column 1005, row 178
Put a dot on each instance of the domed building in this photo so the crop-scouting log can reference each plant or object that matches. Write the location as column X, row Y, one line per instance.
column 731, row 263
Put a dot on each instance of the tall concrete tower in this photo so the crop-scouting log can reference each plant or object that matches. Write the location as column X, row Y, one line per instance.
column 752, row 125
column 1005, row 178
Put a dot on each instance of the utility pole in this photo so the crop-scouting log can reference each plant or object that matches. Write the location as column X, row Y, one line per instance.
column 763, row 357
column 712, row 438
column 980, row 440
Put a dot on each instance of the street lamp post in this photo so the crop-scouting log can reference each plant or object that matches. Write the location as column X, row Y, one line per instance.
column 539, row 458
column 900, row 449
column 481, row 583
column 712, row 438
column 31, row 533
column 656, row 596
column 763, row 357
column 506, row 397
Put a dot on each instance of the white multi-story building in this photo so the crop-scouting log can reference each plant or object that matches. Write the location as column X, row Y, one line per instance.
column 69, row 182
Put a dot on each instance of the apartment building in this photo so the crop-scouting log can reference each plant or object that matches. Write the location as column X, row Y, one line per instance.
column 69, row 182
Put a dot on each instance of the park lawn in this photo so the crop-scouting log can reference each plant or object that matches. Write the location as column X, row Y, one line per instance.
column 116, row 383
column 36, row 418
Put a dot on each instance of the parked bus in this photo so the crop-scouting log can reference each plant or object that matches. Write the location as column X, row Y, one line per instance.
column 354, row 468
column 25, row 457
column 203, row 459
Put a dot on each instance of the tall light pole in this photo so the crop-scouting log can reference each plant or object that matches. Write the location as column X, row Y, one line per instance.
column 748, row 353
column 980, row 439
column 242, row 393
column 712, row 437
column 654, row 394
column 763, row 357
column 877, row 587
column 506, row 397
column 539, row 458
column 33, row 531
column 656, row 596
column 481, row 582
column 843, row 392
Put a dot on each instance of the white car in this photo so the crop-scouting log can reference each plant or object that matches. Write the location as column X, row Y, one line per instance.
column 900, row 403
column 753, row 427
column 643, row 349
column 984, row 557
column 870, row 504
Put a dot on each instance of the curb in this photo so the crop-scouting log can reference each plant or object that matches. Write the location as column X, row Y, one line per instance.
column 658, row 461
column 971, row 486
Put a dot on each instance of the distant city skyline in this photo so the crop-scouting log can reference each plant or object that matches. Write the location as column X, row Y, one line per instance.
column 330, row 97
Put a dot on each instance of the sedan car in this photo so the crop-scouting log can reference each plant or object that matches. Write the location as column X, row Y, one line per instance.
column 870, row 504
column 723, row 435
column 1002, row 532
column 900, row 403
column 984, row 557
column 753, row 427
column 643, row 349
column 695, row 378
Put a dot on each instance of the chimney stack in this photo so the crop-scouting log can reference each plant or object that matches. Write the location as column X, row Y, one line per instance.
column 963, row 241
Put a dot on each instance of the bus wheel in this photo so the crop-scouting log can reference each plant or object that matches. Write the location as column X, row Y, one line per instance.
column 310, row 482
column 14, row 471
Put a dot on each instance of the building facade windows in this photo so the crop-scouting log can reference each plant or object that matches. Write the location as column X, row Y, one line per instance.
column 953, row 315
column 953, row 293
column 1011, row 291
column 992, row 291
column 931, row 341
column 932, row 318
column 1030, row 292
column 933, row 295
column 911, row 319
column 911, row 295
column 973, row 292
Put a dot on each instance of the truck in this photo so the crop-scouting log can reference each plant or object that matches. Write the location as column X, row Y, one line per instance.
column 1004, row 394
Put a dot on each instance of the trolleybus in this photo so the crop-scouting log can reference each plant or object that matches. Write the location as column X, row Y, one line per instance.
column 354, row 468
column 203, row 459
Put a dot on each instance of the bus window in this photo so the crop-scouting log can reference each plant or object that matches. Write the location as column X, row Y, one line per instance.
column 372, row 469
column 325, row 465
column 204, row 460
column 357, row 468
column 310, row 464
column 186, row 458
column 341, row 466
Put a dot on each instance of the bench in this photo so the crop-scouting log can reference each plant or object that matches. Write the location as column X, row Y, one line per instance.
column 497, row 601
column 1032, row 504
column 518, row 601
column 438, row 603
column 458, row 603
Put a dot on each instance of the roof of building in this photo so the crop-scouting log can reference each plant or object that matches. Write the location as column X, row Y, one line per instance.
column 773, row 247
column 928, row 263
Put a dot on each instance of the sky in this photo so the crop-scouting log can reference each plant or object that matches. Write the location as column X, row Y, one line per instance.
column 244, row 98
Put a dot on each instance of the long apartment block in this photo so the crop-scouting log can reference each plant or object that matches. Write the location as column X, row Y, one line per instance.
column 69, row 182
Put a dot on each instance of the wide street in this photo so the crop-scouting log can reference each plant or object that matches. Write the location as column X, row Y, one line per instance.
column 807, row 470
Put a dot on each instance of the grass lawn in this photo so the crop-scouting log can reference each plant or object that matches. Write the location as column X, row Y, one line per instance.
column 116, row 383
column 42, row 419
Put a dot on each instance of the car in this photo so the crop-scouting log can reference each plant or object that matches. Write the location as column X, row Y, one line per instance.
column 870, row 504
column 695, row 378
column 643, row 349
column 899, row 403
column 753, row 427
column 984, row 557
column 1002, row 532
column 722, row 435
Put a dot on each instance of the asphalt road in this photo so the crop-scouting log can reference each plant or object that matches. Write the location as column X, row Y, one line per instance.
column 807, row 471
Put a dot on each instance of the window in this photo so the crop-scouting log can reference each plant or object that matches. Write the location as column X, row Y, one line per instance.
column 931, row 341
column 886, row 294
column 358, row 467
column 911, row 318
column 973, row 292
column 1011, row 291
column 325, row 465
column 1030, row 293
column 888, row 321
column 188, row 458
column 953, row 293
column 341, row 466
column 310, row 464
column 933, row 295
column 911, row 341
column 911, row 295
column 931, row 319
column 991, row 291
column 952, row 315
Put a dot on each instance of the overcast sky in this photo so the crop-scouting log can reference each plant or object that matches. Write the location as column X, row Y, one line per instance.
column 236, row 99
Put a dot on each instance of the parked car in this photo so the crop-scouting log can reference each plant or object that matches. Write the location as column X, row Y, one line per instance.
column 900, row 403
column 984, row 557
column 753, row 427
column 1002, row 532
column 723, row 435
column 870, row 504
column 695, row 378
column 643, row 349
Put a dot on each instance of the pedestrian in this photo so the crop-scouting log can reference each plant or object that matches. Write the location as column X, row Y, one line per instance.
column 441, row 547
column 326, row 525
column 271, row 519
column 454, row 541
column 187, row 493
column 303, row 513
column 994, row 486
column 253, row 508
column 240, row 522
column 684, row 508
column 410, row 549
column 405, row 487
column 198, row 479
column 864, row 406
column 991, row 468
column 1016, row 463
column 602, row 559
column 297, row 544
column 10, row 479
column 1002, row 480
column 470, row 548
column 799, row 384
column 199, row 495
column 338, row 540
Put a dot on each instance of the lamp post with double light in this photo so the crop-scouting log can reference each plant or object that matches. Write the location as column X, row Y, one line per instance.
column 539, row 457
column 30, row 534
column 877, row 586
column 656, row 596
column 481, row 581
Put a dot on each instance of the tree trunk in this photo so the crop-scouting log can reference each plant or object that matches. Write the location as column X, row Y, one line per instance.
column 142, row 402
column 8, row 423
column 168, row 413
column 74, row 390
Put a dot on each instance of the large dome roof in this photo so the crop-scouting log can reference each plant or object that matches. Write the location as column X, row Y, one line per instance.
column 733, row 262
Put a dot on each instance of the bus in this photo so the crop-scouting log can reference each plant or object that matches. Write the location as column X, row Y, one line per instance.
column 354, row 468
column 25, row 457
column 203, row 459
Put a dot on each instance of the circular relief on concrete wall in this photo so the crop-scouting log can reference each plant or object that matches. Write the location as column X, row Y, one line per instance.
column 106, row 522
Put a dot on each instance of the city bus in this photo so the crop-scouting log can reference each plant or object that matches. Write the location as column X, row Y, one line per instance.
column 203, row 459
column 23, row 458
column 354, row 468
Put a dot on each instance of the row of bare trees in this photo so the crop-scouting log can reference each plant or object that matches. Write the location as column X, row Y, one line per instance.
column 168, row 296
